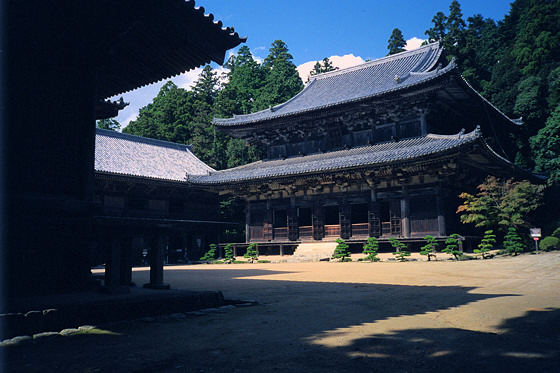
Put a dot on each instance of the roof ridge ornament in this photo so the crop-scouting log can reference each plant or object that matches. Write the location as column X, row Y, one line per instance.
column 478, row 130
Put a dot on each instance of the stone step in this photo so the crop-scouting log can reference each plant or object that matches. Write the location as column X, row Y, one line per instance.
column 313, row 251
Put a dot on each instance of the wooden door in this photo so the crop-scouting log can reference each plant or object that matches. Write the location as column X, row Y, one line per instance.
column 345, row 218
column 374, row 212
column 293, row 224
column 268, row 231
column 318, row 222
column 395, row 215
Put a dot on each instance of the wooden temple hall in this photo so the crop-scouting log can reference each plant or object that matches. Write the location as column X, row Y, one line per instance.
column 378, row 150
column 63, row 62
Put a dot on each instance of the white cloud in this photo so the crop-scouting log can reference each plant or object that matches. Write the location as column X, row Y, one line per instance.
column 341, row 62
column 413, row 43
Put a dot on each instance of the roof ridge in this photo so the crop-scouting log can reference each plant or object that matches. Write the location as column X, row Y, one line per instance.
column 142, row 139
column 378, row 61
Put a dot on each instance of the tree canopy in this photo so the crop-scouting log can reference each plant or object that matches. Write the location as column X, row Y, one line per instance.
column 396, row 42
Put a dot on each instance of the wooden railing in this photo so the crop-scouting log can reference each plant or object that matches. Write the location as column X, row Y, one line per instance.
column 361, row 229
column 332, row 230
column 306, row 233
column 281, row 234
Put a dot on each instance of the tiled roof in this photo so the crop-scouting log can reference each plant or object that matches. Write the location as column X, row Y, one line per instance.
column 367, row 80
column 367, row 156
column 119, row 153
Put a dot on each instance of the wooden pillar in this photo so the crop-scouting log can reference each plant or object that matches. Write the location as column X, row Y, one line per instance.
column 281, row 250
column 248, row 223
column 112, row 268
column 156, row 255
column 293, row 224
column 345, row 220
column 405, row 212
column 440, row 212
column 126, row 262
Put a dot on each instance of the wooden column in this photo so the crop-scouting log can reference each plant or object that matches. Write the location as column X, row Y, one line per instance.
column 248, row 223
column 113, row 267
column 440, row 212
column 156, row 255
column 293, row 224
column 126, row 262
column 405, row 212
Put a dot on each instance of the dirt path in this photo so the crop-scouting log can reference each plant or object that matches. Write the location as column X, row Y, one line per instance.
column 492, row 315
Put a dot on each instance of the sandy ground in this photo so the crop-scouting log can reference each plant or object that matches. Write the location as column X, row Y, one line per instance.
column 492, row 315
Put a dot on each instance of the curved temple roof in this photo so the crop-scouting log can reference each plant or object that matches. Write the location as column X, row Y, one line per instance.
column 420, row 148
column 123, row 154
column 355, row 83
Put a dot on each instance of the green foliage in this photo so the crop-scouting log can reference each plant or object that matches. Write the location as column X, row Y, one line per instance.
column 370, row 250
column 486, row 244
column 228, row 253
column 452, row 246
column 396, row 42
column 252, row 252
column 108, row 124
column 430, row 247
column 341, row 250
column 439, row 30
column 512, row 242
column 400, row 249
column 319, row 68
column 210, row 254
column 546, row 147
column 282, row 81
column 500, row 203
column 549, row 243
column 556, row 233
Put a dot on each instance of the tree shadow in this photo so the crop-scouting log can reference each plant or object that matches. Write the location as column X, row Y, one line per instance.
column 292, row 319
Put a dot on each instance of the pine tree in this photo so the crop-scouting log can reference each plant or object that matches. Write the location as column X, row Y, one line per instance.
column 282, row 79
column 486, row 244
column 228, row 253
column 400, row 249
column 439, row 30
column 108, row 124
column 210, row 255
column 512, row 242
column 430, row 248
column 341, row 250
column 325, row 67
column 252, row 252
column 452, row 246
column 370, row 249
column 454, row 39
column 396, row 42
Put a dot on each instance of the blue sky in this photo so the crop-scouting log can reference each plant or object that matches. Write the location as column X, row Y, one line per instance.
column 314, row 29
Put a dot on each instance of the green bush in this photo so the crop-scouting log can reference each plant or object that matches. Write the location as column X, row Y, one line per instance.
column 252, row 252
column 341, row 250
column 370, row 250
column 486, row 244
column 400, row 249
column 210, row 254
column 549, row 243
column 228, row 253
column 430, row 247
column 512, row 242
column 452, row 246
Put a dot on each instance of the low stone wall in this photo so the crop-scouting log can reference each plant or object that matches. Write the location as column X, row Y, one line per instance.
column 99, row 311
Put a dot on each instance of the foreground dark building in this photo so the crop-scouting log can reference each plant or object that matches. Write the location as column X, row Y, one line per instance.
column 62, row 60
column 378, row 150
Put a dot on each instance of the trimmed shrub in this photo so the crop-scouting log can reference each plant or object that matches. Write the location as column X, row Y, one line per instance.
column 400, row 249
column 486, row 244
column 549, row 243
column 341, row 250
column 430, row 247
column 370, row 250
column 452, row 246
column 228, row 253
column 252, row 252
column 512, row 242
column 210, row 254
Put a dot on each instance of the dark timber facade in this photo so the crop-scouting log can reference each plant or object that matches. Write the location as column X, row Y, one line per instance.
column 378, row 150
column 62, row 60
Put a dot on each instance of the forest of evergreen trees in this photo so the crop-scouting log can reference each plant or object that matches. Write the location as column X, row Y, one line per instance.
column 514, row 63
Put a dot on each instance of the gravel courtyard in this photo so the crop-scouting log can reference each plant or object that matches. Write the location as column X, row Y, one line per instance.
column 492, row 315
